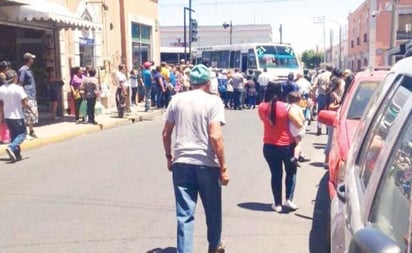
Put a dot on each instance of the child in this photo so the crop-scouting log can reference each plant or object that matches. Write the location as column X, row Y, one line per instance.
column 294, row 99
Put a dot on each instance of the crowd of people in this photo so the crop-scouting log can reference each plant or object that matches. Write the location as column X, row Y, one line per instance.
column 18, row 104
column 197, row 160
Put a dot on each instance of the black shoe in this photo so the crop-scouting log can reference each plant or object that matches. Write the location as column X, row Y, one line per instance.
column 219, row 249
column 294, row 161
column 93, row 122
column 303, row 159
column 32, row 134
column 319, row 132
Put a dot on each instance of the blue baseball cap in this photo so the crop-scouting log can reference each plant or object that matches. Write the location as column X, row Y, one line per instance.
column 199, row 75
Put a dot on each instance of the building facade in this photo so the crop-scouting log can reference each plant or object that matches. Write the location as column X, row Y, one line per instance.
column 64, row 34
column 371, row 29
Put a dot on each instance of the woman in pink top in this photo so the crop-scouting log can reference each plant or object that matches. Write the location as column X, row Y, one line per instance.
column 76, row 81
column 279, row 144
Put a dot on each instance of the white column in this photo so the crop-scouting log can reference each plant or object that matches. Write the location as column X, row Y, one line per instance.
column 373, row 5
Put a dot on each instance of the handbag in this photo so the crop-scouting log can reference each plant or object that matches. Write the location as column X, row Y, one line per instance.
column 4, row 133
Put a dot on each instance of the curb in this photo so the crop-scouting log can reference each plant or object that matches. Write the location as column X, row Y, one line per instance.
column 87, row 129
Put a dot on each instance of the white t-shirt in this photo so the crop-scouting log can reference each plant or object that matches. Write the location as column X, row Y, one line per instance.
column 214, row 85
column 263, row 79
column 12, row 96
column 304, row 86
column 192, row 112
column 121, row 78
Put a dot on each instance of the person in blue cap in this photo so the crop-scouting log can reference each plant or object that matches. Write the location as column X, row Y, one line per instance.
column 198, row 161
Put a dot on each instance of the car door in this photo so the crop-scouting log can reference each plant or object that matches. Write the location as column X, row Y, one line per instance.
column 371, row 146
column 390, row 210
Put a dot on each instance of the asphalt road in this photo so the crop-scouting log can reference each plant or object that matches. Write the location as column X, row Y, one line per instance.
column 111, row 192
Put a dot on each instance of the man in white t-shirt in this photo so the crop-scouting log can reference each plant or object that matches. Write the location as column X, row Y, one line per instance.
column 263, row 81
column 121, row 91
column 198, row 162
column 13, row 99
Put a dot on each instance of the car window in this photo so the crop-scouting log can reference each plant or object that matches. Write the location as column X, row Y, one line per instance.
column 379, row 130
column 360, row 99
column 391, row 207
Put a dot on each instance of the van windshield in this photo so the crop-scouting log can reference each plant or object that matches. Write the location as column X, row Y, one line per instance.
column 276, row 57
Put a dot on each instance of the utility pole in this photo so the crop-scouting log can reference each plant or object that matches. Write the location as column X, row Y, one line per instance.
column 372, row 32
column 185, row 9
column 281, row 34
column 321, row 20
column 394, row 28
column 225, row 26
column 190, row 30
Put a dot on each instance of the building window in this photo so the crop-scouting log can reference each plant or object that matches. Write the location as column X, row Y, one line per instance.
column 365, row 38
column 352, row 45
column 141, row 43
column 357, row 41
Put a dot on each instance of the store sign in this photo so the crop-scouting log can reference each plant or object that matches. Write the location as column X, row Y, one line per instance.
column 86, row 41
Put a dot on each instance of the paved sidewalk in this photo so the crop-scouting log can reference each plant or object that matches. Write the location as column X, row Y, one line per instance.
column 66, row 127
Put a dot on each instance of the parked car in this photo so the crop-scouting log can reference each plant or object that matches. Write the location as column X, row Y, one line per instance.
column 346, row 121
column 372, row 211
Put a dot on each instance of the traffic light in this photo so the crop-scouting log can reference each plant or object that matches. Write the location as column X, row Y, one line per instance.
column 226, row 25
column 193, row 29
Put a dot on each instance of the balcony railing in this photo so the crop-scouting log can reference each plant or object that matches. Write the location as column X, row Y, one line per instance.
column 403, row 35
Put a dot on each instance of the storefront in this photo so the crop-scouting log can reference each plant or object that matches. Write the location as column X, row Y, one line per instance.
column 141, row 43
column 34, row 26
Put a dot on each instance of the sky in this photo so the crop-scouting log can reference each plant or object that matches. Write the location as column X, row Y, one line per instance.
column 296, row 16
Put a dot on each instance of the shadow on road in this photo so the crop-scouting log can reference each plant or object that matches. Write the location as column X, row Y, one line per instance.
column 319, row 235
column 317, row 164
column 254, row 206
column 166, row 250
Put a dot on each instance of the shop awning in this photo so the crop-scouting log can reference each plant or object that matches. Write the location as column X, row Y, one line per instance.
column 44, row 11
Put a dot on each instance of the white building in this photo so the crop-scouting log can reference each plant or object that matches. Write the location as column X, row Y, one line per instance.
column 173, row 36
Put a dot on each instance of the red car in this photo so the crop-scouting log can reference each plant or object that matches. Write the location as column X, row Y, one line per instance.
column 346, row 120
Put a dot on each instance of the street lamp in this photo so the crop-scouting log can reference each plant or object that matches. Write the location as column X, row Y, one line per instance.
column 229, row 25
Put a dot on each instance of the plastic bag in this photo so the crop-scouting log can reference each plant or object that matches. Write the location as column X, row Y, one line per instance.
column 83, row 109
column 98, row 108
column 4, row 133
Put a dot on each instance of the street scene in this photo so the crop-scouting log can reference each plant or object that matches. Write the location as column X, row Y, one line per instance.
column 206, row 126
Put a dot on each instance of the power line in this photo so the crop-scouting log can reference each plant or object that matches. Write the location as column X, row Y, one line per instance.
column 237, row 2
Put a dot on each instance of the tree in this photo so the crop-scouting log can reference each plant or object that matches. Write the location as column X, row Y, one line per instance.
column 311, row 59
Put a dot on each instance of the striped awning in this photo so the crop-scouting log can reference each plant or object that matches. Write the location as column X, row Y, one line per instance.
column 45, row 11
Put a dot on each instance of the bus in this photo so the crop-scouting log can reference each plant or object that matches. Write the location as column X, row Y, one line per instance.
column 173, row 55
column 278, row 59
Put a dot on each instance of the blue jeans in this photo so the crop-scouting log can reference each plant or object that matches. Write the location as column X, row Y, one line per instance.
column 276, row 156
column 262, row 90
column 159, row 98
column 189, row 181
column 251, row 101
column 321, row 100
column 18, row 132
column 236, row 97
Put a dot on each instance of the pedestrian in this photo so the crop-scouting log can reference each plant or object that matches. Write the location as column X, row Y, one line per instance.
column 147, row 82
column 90, row 91
column 13, row 99
column 160, row 87
column 263, row 81
column 237, row 83
column 222, row 86
column 26, row 79
column 279, row 144
column 304, row 88
column 320, row 86
column 294, row 98
column 251, row 92
column 198, row 163
column 134, row 84
column 76, row 82
column 288, row 86
column 140, row 85
column 333, row 102
column 229, row 102
column 121, row 93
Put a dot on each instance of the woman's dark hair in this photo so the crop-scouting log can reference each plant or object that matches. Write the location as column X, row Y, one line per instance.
column 272, row 95
column 334, row 84
column 294, row 97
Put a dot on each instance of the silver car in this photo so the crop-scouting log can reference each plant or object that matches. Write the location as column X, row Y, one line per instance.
column 372, row 212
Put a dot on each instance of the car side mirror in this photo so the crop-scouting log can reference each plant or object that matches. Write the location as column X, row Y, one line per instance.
column 328, row 117
column 371, row 240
